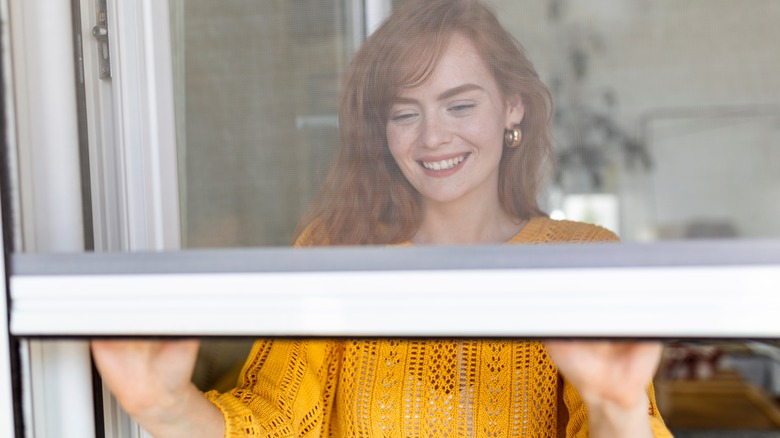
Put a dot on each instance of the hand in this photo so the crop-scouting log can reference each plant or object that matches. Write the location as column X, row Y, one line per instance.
column 618, row 372
column 152, row 382
column 143, row 374
column 612, row 379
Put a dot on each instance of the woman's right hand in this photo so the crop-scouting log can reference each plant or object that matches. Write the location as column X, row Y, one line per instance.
column 152, row 382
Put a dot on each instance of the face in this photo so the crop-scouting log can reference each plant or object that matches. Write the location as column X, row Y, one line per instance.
column 447, row 134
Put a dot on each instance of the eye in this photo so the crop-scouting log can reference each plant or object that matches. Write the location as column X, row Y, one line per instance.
column 462, row 107
column 403, row 116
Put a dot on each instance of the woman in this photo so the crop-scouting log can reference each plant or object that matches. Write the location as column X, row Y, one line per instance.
column 444, row 137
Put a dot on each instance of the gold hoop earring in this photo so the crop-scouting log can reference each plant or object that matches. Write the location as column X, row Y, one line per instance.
column 513, row 137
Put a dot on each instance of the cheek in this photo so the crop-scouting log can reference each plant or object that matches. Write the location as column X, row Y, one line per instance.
column 490, row 131
column 396, row 143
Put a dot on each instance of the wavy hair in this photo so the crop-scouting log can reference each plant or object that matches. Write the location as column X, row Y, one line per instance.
column 365, row 198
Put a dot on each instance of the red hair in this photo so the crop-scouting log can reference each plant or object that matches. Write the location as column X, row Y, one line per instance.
column 365, row 198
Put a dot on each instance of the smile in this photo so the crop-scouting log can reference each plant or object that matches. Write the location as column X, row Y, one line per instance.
column 443, row 164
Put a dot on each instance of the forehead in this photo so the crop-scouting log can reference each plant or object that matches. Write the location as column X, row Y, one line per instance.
column 460, row 63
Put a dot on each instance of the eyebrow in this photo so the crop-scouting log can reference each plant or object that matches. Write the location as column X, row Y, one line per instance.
column 445, row 95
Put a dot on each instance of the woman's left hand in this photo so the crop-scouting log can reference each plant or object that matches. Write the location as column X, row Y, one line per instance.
column 612, row 378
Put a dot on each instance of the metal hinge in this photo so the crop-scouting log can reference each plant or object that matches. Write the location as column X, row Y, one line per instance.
column 100, row 32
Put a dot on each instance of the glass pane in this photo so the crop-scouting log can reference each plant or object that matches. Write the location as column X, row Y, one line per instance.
column 256, row 93
column 667, row 113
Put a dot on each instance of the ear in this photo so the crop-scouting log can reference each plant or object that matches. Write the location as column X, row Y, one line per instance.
column 515, row 111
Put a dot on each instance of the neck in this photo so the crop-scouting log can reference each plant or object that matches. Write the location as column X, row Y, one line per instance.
column 483, row 222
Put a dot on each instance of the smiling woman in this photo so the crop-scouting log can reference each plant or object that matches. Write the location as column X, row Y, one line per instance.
column 444, row 130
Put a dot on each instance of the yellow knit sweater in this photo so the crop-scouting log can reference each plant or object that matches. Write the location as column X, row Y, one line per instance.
column 412, row 388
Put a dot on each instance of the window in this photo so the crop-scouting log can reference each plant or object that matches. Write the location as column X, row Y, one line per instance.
column 219, row 122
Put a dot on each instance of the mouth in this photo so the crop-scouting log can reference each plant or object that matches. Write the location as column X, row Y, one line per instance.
column 443, row 164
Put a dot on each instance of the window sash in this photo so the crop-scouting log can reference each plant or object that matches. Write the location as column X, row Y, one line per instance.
column 678, row 289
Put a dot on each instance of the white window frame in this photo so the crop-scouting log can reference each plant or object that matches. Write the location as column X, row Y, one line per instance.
column 414, row 291
column 131, row 128
column 132, row 149
column 45, row 139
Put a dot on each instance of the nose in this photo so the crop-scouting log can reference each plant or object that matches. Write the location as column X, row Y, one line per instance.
column 435, row 132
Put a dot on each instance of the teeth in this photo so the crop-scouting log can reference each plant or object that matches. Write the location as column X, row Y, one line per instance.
column 443, row 164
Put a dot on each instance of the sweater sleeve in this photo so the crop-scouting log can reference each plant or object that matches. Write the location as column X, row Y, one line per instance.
column 577, row 426
column 285, row 390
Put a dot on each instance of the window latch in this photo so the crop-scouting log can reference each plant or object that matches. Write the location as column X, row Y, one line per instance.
column 100, row 32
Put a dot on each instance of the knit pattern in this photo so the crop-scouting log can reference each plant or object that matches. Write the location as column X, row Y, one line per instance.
column 412, row 388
